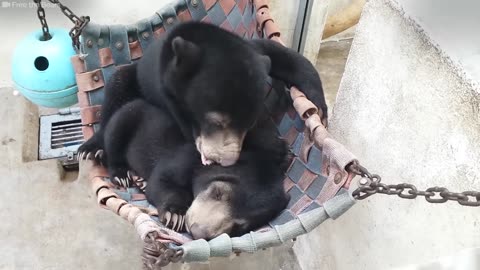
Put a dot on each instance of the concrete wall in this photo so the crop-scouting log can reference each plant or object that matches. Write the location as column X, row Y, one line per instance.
column 454, row 27
column 315, row 27
column 412, row 115
column 284, row 14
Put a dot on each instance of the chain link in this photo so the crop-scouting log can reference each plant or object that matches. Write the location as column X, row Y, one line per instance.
column 79, row 22
column 157, row 255
column 371, row 184
column 43, row 20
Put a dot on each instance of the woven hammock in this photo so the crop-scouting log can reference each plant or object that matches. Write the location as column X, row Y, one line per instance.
column 317, row 180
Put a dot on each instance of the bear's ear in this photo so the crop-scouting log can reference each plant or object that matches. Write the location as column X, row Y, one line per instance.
column 267, row 62
column 187, row 54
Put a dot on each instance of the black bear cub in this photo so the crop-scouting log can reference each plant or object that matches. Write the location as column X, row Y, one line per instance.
column 237, row 199
column 233, row 199
column 211, row 82
column 196, row 98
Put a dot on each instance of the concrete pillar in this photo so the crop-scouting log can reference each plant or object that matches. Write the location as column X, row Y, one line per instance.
column 284, row 14
column 412, row 115
column 313, row 29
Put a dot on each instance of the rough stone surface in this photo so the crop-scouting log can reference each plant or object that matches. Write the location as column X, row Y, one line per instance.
column 408, row 114
column 331, row 64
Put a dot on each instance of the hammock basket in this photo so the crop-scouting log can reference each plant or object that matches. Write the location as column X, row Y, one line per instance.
column 317, row 179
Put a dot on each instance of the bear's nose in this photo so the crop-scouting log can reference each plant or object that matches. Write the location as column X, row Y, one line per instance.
column 199, row 231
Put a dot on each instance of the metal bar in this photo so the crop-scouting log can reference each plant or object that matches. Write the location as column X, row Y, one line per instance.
column 63, row 139
column 66, row 144
column 66, row 126
column 59, row 133
column 60, row 137
column 297, row 33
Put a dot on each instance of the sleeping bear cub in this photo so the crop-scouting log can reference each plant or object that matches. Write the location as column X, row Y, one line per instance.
column 196, row 98
column 234, row 199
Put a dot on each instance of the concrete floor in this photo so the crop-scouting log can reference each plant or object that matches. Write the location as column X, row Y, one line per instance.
column 49, row 220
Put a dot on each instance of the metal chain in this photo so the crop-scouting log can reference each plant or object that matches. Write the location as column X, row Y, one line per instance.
column 371, row 184
column 79, row 22
column 43, row 21
column 157, row 255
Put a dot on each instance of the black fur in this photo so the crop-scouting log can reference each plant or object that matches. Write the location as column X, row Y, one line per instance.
column 256, row 180
column 154, row 110
column 145, row 139
column 199, row 68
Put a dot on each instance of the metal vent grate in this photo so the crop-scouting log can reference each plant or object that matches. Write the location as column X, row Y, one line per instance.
column 60, row 136
column 66, row 133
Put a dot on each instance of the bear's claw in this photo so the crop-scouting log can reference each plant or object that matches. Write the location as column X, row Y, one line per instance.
column 92, row 148
column 121, row 181
column 86, row 155
column 137, row 180
column 120, row 177
column 80, row 156
column 99, row 154
column 173, row 221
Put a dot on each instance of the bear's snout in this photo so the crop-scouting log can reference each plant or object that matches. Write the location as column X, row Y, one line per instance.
column 217, row 149
column 199, row 232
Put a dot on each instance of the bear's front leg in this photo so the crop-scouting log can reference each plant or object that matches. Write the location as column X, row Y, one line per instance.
column 171, row 200
column 93, row 149
column 121, row 89
column 169, row 187
column 118, row 133
column 294, row 69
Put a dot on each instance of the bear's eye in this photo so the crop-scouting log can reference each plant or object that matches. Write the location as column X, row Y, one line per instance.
column 218, row 125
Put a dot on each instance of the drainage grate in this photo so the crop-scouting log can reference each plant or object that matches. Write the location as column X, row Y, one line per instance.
column 60, row 136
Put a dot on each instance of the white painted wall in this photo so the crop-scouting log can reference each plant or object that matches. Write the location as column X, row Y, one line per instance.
column 455, row 27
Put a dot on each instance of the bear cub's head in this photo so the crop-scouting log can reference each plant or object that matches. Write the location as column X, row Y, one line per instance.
column 218, row 79
column 233, row 202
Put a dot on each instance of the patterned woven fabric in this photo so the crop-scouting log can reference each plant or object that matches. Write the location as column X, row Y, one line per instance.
column 108, row 47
